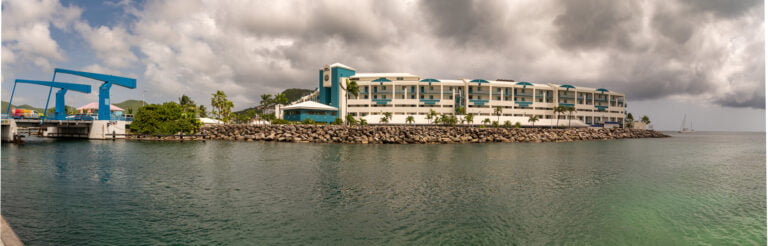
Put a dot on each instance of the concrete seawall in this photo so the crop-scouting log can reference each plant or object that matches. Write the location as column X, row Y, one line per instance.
column 413, row 134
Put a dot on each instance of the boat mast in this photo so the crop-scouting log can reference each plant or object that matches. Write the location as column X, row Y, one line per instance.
column 682, row 126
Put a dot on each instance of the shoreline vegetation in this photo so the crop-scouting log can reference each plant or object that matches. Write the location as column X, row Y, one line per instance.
column 370, row 134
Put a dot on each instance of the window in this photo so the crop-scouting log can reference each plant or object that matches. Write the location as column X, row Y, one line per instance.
column 333, row 113
column 399, row 78
column 384, row 87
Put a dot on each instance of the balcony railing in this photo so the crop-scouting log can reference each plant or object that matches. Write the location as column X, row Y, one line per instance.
column 523, row 95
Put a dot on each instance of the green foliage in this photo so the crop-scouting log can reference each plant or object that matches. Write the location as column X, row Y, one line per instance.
column 267, row 117
column 222, row 107
column 351, row 119
column 202, row 111
column 518, row 125
column 384, row 119
column 132, row 105
column 280, row 98
column 469, row 118
column 486, row 121
column 363, row 122
column 409, row 119
column 533, row 119
column 338, row 121
column 308, row 121
column 645, row 120
column 280, row 122
column 461, row 110
column 168, row 118
column 432, row 115
column 495, row 124
column 507, row 124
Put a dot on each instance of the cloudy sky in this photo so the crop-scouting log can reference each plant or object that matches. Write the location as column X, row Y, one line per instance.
column 704, row 58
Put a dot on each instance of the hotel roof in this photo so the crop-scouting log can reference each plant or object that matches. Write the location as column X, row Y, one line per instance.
column 310, row 105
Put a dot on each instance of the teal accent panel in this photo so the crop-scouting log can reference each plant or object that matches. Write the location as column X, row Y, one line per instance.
column 327, row 116
column 336, row 74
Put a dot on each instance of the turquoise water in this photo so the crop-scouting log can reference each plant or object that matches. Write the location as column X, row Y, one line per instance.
column 702, row 188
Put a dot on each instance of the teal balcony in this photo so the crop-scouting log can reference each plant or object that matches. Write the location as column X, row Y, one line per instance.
column 523, row 95
column 429, row 101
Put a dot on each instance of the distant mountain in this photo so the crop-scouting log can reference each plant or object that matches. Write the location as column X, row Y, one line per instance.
column 52, row 109
column 4, row 107
column 133, row 105
column 292, row 94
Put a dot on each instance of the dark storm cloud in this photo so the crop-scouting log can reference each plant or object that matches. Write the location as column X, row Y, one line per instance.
column 466, row 21
column 723, row 8
column 597, row 24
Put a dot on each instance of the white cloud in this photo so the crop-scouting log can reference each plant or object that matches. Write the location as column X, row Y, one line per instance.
column 112, row 45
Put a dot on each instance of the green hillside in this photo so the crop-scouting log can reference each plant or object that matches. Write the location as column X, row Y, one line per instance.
column 131, row 106
column 292, row 94
column 4, row 107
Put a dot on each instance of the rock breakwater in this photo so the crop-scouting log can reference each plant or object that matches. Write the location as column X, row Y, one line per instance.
column 413, row 134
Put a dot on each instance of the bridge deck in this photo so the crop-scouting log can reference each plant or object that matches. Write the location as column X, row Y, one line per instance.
column 38, row 122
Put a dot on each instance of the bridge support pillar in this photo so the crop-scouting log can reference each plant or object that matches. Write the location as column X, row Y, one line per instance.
column 103, row 129
column 9, row 130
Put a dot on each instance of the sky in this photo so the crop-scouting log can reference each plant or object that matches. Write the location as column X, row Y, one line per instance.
column 700, row 58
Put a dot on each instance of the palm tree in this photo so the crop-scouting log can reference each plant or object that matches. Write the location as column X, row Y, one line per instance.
column 570, row 112
column 388, row 115
column 645, row 120
column 461, row 110
column 409, row 120
column 352, row 89
column 533, row 119
column 469, row 118
column 557, row 110
column 431, row 114
column 486, row 121
column 629, row 120
column 350, row 119
column 497, row 113
column 384, row 120
column 280, row 98
column 266, row 100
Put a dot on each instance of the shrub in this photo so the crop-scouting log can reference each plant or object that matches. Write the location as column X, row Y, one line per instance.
column 338, row 121
column 507, row 124
column 308, row 121
column 280, row 122
column 518, row 125
column 166, row 118
column 495, row 123
column 363, row 122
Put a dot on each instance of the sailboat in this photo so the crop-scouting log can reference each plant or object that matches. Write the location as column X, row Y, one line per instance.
column 683, row 129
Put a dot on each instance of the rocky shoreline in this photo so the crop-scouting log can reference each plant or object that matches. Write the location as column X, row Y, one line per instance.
column 413, row 134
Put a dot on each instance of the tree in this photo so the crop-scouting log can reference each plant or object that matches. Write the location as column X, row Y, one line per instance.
column 222, row 108
column 461, row 110
column 518, row 125
column 497, row 112
column 486, row 121
column 384, row 119
column 188, row 106
column 350, row 119
column 351, row 89
column 266, row 100
column 645, row 120
column 202, row 111
column 507, row 124
column 630, row 120
column 495, row 124
column 533, row 119
column 431, row 115
column 557, row 110
column 388, row 115
column 267, row 117
column 363, row 122
column 570, row 112
column 409, row 119
column 167, row 118
column 280, row 98
column 469, row 118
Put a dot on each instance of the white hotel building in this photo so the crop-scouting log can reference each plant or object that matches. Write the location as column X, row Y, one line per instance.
column 405, row 94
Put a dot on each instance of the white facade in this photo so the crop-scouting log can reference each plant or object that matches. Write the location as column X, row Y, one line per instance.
column 406, row 95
